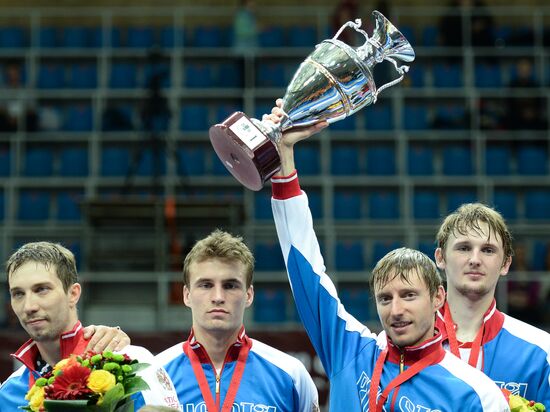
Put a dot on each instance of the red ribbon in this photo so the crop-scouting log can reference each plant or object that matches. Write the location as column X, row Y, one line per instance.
column 212, row 406
column 453, row 341
column 376, row 405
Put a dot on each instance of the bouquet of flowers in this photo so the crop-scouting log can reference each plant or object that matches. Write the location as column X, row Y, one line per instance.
column 520, row 404
column 92, row 382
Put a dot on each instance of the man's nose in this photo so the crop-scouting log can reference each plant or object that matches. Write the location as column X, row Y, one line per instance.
column 396, row 307
column 475, row 258
column 30, row 304
column 218, row 294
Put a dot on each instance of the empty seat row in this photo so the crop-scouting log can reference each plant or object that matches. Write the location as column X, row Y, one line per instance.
column 34, row 205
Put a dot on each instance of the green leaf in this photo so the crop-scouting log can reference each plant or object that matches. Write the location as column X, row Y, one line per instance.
column 137, row 367
column 111, row 398
column 66, row 406
column 134, row 384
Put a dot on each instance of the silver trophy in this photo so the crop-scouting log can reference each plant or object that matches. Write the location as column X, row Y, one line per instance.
column 334, row 82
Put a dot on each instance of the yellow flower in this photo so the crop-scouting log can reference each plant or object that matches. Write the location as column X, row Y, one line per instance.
column 35, row 396
column 61, row 364
column 101, row 381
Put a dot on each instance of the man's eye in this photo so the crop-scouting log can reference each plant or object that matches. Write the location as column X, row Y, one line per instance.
column 16, row 295
column 42, row 289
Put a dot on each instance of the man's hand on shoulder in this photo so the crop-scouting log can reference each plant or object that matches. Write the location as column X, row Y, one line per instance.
column 105, row 338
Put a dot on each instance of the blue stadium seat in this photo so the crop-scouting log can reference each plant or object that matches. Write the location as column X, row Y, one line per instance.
column 68, row 206
column 13, row 37
column 349, row 255
column 118, row 118
column 191, row 161
column 148, row 165
column 75, row 37
column 379, row 117
column 82, row 76
column 447, row 75
column 198, row 75
column 271, row 304
column 532, row 160
column 115, row 161
column 79, row 118
column 540, row 250
column 271, row 74
column 262, row 205
column 224, row 110
column 344, row 160
column 416, row 76
column 2, row 206
column 426, row 204
column 38, row 161
column 347, row 205
column 140, row 37
column 309, row 159
column 302, row 36
column 357, row 301
column 269, row 256
column 218, row 168
column 430, row 36
column 457, row 160
column 450, row 116
column 428, row 248
column 194, row 118
column 116, row 37
column 34, row 205
column 95, row 37
column 208, row 36
column 123, row 76
column 383, row 204
column 230, row 75
column 488, row 75
column 273, row 36
column 506, row 202
column 161, row 70
column 73, row 161
column 537, row 204
column 48, row 37
column 170, row 37
column 498, row 160
column 51, row 76
column 381, row 248
column 458, row 198
column 5, row 161
column 346, row 124
column 381, row 161
column 415, row 117
column 315, row 203
column 420, row 159
column 408, row 32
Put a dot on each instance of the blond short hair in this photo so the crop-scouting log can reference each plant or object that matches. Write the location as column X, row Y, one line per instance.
column 220, row 245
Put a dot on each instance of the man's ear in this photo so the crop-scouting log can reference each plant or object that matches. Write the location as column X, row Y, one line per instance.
column 439, row 299
column 186, row 293
column 439, row 258
column 506, row 266
column 249, row 296
column 75, row 290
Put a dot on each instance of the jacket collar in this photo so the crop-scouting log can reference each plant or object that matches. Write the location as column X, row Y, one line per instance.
column 231, row 355
column 70, row 342
column 411, row 354
column 492, row 318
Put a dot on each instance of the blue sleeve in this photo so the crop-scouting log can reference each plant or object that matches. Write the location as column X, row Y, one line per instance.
column 336, row 335
column 139, row 402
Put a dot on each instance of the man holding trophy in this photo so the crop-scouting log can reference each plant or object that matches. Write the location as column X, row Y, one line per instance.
column 405, row 367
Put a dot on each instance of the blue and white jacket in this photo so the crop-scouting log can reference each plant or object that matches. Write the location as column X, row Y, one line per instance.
column 272, row 380
column 514, row 354
column 348, row 349
column 14, row 389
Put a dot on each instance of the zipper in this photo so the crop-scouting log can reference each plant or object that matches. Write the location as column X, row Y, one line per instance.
column 218, row 383
column 402, row 362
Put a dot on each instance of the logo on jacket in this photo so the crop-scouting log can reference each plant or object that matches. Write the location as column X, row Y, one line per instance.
column 517, row 388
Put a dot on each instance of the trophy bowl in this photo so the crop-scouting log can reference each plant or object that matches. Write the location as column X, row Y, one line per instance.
column 333, row 82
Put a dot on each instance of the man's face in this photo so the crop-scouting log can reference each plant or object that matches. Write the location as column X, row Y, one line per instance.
column 217, row 296
column 43, row 308
column 473, row 263
column 406, row 310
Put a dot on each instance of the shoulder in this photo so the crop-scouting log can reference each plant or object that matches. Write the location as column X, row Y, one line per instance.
column 14, row 378
column 527, row 333
column 485, row 389
column 287, row 363
column 168, row 355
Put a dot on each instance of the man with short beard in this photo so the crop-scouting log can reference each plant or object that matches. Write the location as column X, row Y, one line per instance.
column 44, row 290
column 475, row 251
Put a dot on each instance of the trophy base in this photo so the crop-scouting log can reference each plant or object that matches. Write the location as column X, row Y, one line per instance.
column 245, row 151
